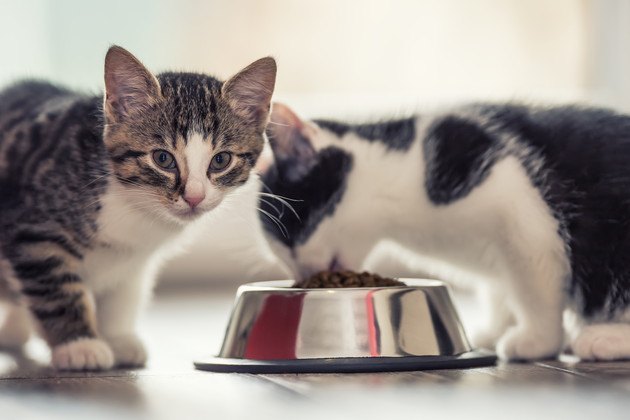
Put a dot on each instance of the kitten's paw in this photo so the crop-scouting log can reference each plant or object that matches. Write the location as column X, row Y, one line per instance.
column 603, row 342
column 524, row 344
column 83, row 354
column 16, row 329
column 128, row 350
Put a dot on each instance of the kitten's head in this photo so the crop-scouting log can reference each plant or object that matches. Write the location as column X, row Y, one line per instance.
column 179, row 142
column 308, row 172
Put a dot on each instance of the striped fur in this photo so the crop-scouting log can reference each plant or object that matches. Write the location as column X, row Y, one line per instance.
column 85, row 204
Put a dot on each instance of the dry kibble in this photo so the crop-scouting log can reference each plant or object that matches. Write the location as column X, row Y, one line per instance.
column 346, row 278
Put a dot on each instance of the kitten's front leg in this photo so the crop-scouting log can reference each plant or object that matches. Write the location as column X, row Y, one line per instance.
column 536, row 295
column 497, row 318
column 64, row 310
column 118, row 310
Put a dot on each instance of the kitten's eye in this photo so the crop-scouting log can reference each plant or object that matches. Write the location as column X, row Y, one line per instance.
column 164, row 159
column 220, row 161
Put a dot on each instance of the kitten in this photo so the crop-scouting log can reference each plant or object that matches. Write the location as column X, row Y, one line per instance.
column 534, row 202
column 91, row 187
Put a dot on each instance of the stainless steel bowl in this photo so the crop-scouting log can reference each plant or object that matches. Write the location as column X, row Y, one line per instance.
column 277, row 328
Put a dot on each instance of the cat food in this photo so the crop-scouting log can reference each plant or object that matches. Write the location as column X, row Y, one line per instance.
column 346, row 278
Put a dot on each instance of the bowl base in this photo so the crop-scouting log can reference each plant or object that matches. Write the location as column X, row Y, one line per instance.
column 474, row 358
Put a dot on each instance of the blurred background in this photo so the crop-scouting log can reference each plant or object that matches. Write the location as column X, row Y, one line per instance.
column 356, row 59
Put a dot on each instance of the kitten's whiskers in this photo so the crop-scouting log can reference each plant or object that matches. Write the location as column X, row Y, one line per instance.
column 279, row 212
column 278, row 222
column 283, row 201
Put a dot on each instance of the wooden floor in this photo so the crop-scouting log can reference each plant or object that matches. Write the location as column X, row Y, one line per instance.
column 184, row 325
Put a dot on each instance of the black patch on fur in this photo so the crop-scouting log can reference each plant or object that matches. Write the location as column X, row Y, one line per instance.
column 458, row 156
column 316, row 196
column 294, row 154
column 395, row 134
column 586, row 182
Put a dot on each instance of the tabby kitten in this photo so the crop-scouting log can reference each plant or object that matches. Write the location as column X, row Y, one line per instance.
column 91, row 187
column 531, row 205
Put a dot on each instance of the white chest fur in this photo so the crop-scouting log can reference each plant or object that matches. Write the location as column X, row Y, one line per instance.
column 128, row 237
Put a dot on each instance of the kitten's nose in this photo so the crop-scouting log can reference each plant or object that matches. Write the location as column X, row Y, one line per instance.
column 194, row 200
column 194, row 192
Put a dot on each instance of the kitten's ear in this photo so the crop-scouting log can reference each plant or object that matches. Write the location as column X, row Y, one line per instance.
column 290, row 142
column 129, row 87
column 249, row 92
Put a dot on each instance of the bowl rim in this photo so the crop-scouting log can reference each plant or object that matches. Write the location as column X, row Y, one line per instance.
column 284, row 286
column 469, row 359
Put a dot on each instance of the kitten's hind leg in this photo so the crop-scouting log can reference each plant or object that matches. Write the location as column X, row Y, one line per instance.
column 609, row 341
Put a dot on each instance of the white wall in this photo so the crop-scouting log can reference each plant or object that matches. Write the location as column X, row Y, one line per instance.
column 24, row 47
column 336, row 58
column 402, row 49
column 609, row 43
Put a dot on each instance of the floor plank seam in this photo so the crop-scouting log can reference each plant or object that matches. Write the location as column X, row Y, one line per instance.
column 569, row 371
column 279, row 383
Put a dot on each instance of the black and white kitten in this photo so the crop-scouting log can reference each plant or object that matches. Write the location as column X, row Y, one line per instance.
column 91, row 187
column 531, row 204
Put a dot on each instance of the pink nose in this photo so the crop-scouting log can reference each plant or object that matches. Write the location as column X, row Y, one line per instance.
column 194, row 200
